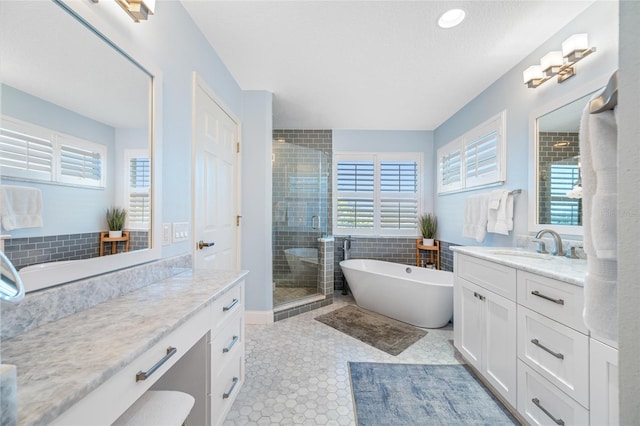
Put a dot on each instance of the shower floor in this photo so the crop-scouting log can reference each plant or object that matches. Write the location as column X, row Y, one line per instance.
column 287, row 294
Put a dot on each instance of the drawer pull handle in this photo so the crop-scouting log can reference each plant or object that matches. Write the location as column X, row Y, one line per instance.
column 230, row 305
column 230, row 345
column 536, row 401
column 544, row 348
column 144, row 375
column 478, row 295
column 558, row 301
column 227, row 394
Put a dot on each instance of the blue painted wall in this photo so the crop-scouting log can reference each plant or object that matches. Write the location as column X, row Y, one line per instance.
column 600, row 21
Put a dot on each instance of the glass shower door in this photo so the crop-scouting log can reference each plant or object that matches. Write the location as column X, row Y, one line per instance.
column 300, row 213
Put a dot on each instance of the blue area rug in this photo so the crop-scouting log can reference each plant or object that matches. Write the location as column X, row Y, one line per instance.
column 409, row 394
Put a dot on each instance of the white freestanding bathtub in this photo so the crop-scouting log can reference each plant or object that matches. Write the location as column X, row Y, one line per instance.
column 418, row 296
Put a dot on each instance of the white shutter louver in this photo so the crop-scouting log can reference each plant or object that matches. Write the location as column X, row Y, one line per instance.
column 25, row 156
column 355, row 184
column 481, row 160
column 139, row 199
column 398, row 194
column 80, row 163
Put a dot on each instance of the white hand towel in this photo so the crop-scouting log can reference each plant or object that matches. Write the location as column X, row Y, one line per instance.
column 20, row 207
column 475, row 217
column 500, row 218
column 603, row 135
column 601, row 298
column 599, row 215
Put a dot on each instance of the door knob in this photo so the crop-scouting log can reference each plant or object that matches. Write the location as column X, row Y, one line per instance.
column 202, row 244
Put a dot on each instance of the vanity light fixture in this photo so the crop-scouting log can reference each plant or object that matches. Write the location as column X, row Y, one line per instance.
column 559, row 63
column 139, row 10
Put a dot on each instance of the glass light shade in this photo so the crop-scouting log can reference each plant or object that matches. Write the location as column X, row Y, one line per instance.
column 534, row 72
column 551, row 59
column 451, row 18
column 577, row 42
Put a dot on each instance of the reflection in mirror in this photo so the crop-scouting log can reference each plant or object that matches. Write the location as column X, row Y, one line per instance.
column 74, row 138
column 558, row 185
column 11, row 287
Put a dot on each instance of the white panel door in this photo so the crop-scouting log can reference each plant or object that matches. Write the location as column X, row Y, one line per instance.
column 470, row 322
column 215, row 186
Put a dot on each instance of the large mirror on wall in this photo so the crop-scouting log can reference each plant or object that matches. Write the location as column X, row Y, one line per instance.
column 75, row 142
column 555, row 180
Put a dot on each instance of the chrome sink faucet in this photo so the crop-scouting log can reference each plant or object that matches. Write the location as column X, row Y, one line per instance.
column 557, row 242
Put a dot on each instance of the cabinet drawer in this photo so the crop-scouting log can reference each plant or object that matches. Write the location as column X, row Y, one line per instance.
column 555, row 299
column 228, row 341
column 557, row 352
column 224, row 307
column 122, row 390
column 225, row 386
column 541, row 403
column 497, row 278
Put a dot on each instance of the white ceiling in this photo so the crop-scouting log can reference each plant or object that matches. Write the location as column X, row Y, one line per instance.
column 373, row 64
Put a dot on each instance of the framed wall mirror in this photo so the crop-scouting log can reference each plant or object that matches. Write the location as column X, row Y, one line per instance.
column 554, row 176
column 79, row 134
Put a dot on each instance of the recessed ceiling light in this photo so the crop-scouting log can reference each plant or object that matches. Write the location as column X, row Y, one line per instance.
column 451, row 18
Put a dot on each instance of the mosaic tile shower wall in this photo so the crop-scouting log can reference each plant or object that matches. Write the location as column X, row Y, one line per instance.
column 32, row 250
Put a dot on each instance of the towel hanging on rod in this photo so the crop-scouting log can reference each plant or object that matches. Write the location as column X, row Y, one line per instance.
column 608, row 99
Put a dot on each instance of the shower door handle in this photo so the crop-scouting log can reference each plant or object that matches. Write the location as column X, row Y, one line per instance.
column 315, row 222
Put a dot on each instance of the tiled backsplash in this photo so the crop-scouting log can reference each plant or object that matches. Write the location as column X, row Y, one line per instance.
column 32, row 250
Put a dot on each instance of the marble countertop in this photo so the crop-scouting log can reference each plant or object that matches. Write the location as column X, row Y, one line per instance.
column 560, row 268
column 61, row 362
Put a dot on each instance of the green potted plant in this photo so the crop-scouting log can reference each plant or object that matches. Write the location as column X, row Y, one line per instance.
column 428, row 227
column 115, row 221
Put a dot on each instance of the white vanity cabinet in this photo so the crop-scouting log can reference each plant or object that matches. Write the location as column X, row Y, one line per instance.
column 518, row 320
column 485, row 321
column 185, row 333
column 553, row 352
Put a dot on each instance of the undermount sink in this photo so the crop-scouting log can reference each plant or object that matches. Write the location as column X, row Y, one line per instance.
column 521, row 253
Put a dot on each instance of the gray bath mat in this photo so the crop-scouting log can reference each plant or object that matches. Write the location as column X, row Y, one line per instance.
column 381, row 332
column 409, row 394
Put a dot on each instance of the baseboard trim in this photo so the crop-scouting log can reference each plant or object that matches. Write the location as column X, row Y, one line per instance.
column 258, row 317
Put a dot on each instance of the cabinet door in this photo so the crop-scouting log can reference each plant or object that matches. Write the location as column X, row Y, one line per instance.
column 604, row 384
column 469, row 322
column 499, row 364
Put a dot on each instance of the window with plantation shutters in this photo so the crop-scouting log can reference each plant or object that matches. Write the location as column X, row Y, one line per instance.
column 138, row 175
column 564, row 210
column 80, row 162
column 32, row 152
column 477, row 158
column 24, row 152
column 377, row 193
